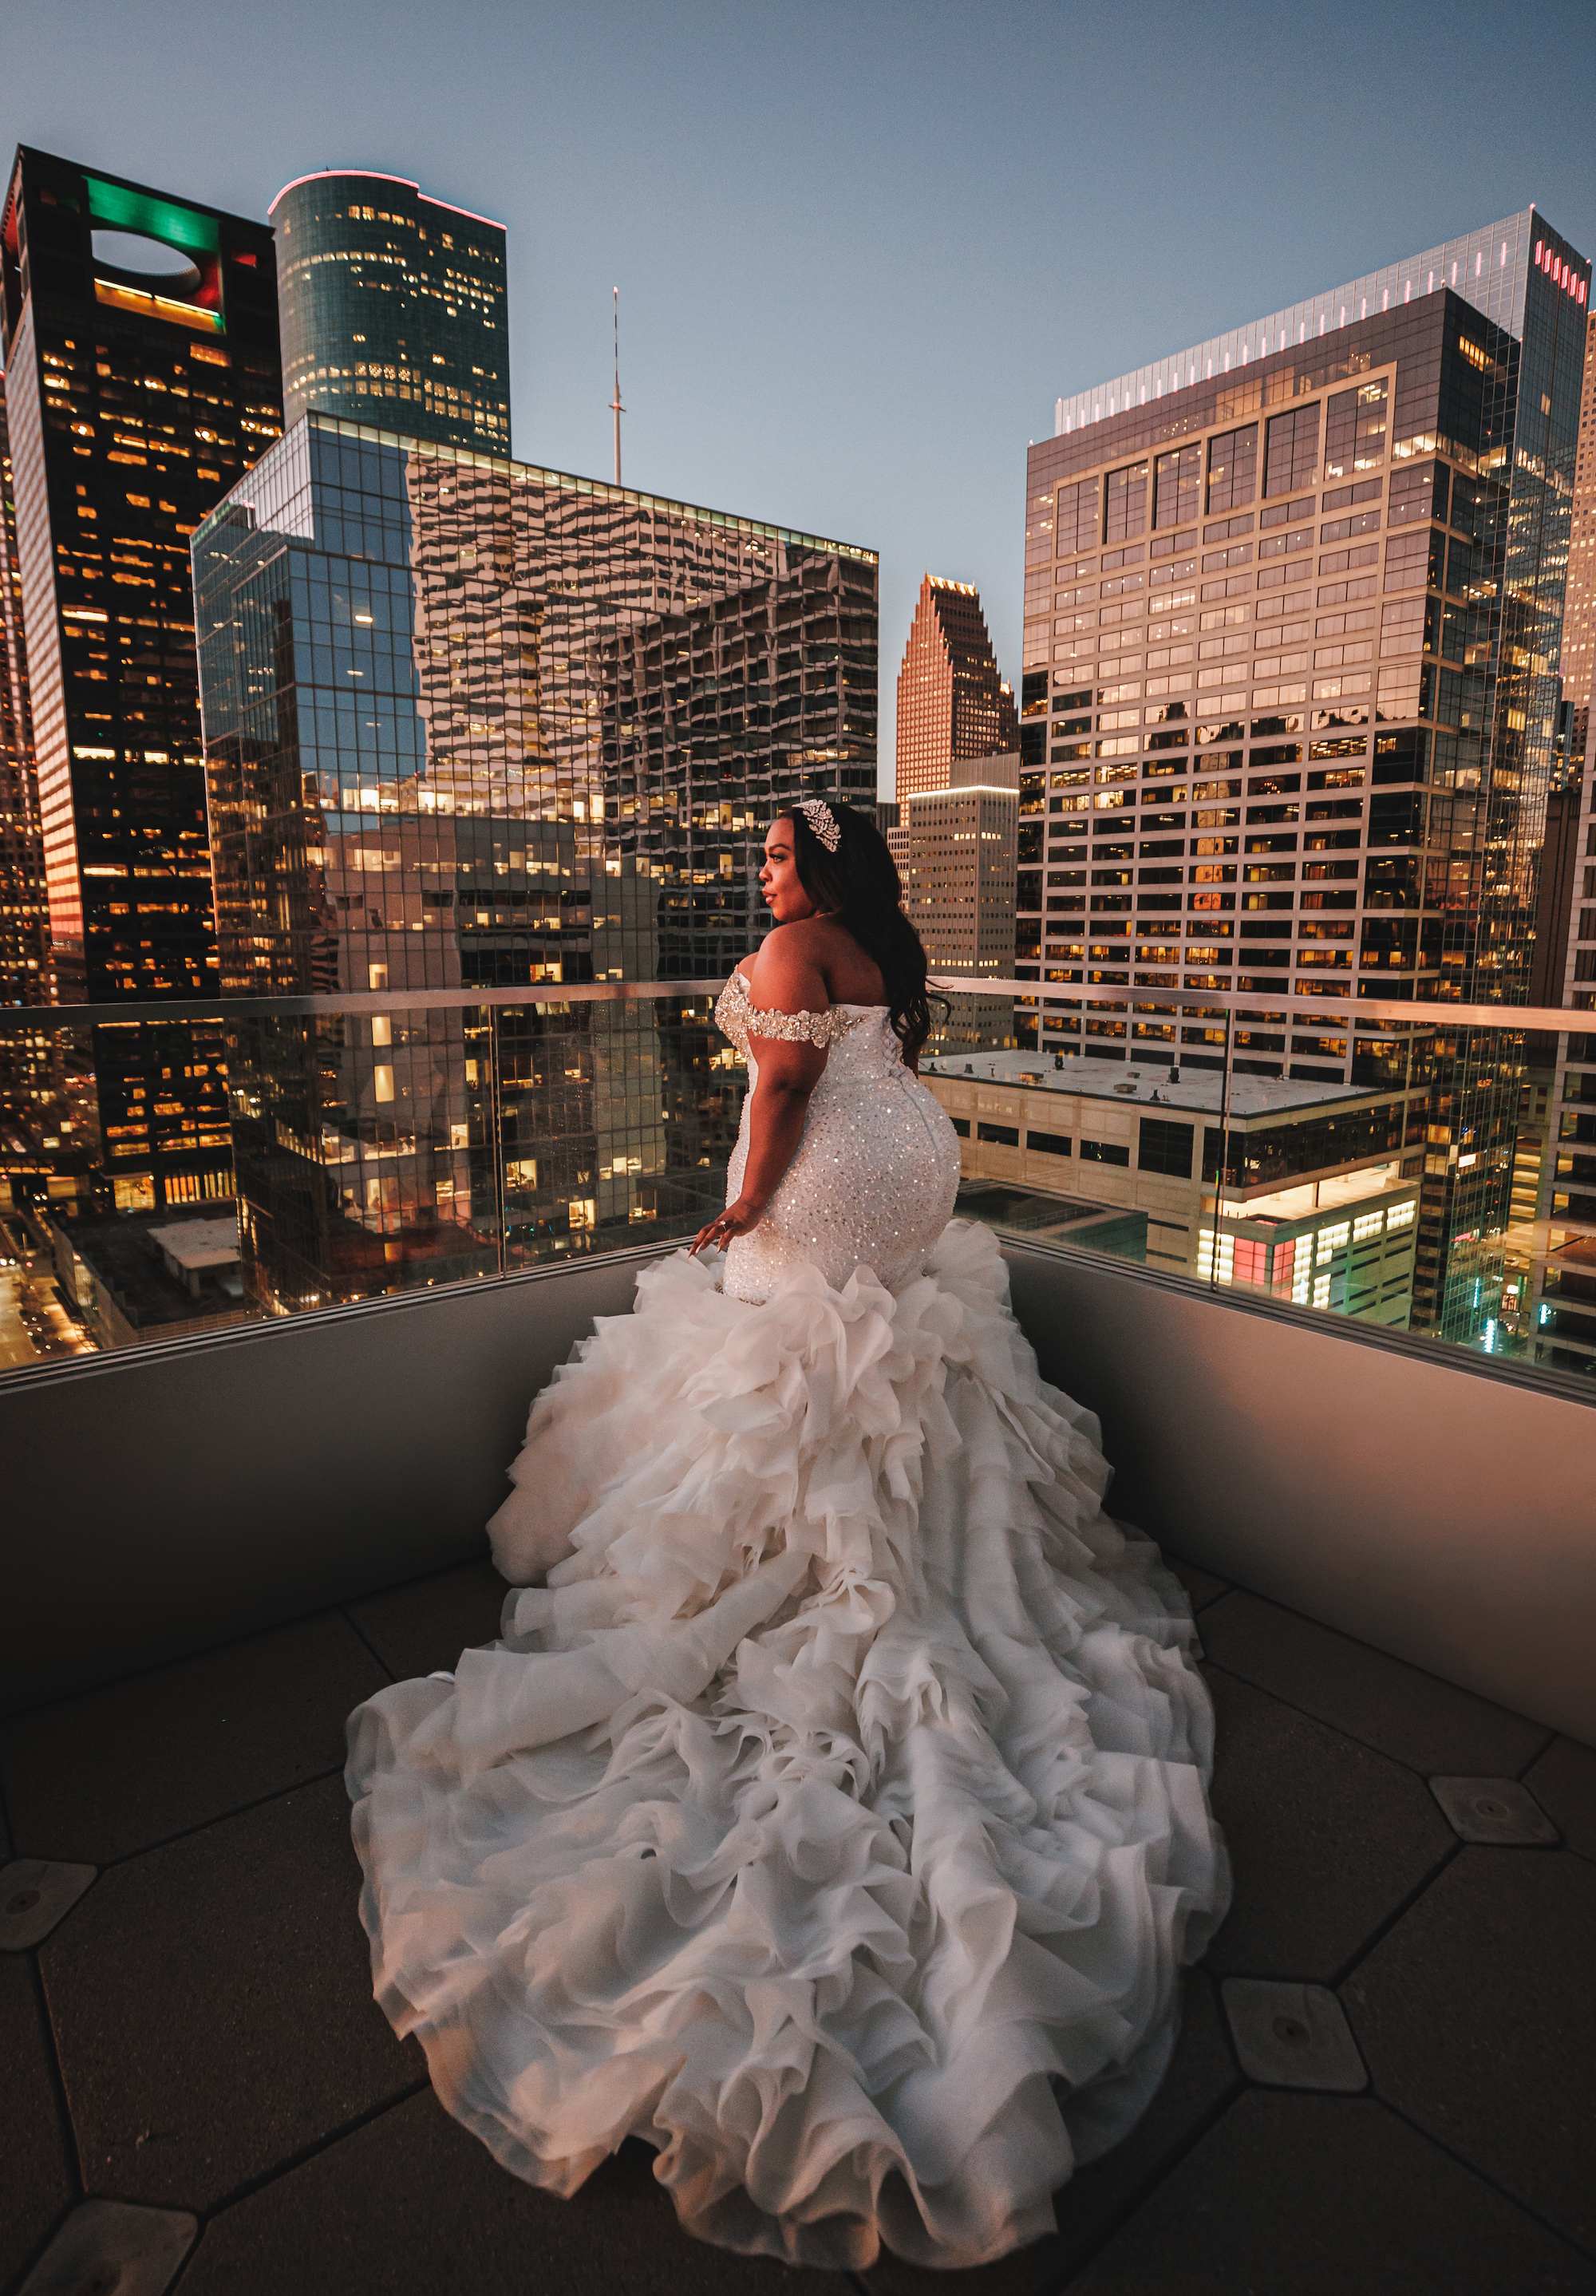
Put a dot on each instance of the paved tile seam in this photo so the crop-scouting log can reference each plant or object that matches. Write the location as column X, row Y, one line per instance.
column 71, row 2147
column 1349, row 1969
column 1474, row 2168
column 324, row 2143
column 1506, row 1849
column 345, row 1613
column 1420, row 1720
column 1172, row 2161
column 1414, row 1769
column 1307, row 1714
column 1522, row 1775
column 58, row 2086
column 204, row 1825
column 70, row 1698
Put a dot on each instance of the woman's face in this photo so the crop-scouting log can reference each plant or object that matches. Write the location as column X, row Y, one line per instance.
column 778, row 877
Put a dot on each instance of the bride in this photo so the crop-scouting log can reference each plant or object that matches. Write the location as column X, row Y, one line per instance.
column 831, row 1814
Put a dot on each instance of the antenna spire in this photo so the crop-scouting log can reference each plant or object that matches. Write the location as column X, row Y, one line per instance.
column 615, row 408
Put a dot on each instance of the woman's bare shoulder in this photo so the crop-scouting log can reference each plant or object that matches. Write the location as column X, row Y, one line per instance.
column 789, row 972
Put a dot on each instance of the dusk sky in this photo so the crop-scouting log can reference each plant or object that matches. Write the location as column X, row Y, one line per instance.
column 860, row 248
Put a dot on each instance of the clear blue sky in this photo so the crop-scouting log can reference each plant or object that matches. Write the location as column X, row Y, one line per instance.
column 861, row 245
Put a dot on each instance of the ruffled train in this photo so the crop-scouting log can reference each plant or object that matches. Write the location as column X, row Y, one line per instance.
column 834, row 1819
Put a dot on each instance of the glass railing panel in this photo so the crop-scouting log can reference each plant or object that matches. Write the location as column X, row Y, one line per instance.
column 1418, row 1168
column 174, row 1176
column 173, row 1172
column 617, row 1122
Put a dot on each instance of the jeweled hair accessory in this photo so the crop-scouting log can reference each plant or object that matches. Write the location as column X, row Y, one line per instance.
column 822, row 820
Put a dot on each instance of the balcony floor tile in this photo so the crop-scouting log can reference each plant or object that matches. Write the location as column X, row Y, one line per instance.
column 40, row 2182
column 210, row 2001
column 1564, row 1783
column 212, row 2005
column 1396, row 1709
column 102, row 1776
column 1201, row 1584
column 1477, row 2016
column 1328, row 1840
column 1321, row 2195
column 412, row 2205
column 421, row 1628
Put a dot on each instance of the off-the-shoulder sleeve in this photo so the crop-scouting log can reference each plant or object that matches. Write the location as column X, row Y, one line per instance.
column 740, row 1018
column 820, row 1028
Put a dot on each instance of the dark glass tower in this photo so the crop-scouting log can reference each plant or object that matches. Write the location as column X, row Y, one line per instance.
column 472, row 724
column 386, row 294
column 37, row 1135
column 25, row 973
column 141, row 381
column 1294, row 607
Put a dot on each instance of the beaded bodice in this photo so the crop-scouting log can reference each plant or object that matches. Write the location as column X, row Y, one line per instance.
column 872, row 1183
column 738, row 1017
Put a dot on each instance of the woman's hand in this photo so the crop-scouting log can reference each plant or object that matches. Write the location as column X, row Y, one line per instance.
column 736, row 1220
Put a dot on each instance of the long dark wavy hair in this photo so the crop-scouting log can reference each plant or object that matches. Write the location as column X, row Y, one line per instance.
column 859, row 885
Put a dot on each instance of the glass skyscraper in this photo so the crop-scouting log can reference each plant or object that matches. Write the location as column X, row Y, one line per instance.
column 1294, row 608
column 140, row 337
column 469, row 722
column 386, row 294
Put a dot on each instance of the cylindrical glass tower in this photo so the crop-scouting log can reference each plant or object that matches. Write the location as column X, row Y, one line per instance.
column 386, row 296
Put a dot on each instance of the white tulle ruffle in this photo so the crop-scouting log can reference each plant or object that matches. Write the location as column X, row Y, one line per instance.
column 834, row 1818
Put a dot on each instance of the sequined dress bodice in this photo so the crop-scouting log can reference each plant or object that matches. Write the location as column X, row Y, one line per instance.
column 873, row 1181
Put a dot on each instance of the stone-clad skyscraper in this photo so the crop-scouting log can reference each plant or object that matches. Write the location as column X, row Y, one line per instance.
column 951, row 704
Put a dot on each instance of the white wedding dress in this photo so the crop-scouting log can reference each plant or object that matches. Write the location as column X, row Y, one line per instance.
column 834, row 1817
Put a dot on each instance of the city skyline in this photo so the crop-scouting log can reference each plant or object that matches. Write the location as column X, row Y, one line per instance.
column 1081, row 270
column 1460, row 374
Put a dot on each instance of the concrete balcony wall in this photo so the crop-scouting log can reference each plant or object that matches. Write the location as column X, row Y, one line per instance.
column 1436, row 1506
column 167, row 1499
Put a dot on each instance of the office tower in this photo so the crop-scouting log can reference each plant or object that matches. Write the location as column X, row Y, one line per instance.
column 715, row 708
column 141, row 373
column 472, row 723
column 24, row 919
column 1579, row 619
column 386, row 294
column 960, row 890
column 1555, row 1174
column 32, row 1106
column 1295, row 600
column 951, row 701
column 895, row 828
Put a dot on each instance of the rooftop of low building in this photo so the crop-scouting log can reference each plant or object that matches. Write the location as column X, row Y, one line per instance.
column 1194, row 1091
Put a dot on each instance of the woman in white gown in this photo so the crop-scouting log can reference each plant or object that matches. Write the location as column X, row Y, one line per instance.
column 832, row 1814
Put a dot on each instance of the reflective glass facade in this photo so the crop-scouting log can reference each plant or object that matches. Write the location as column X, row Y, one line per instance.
column 473, row 724
column 140, row 336
column 1303, row 744
column 386, row 294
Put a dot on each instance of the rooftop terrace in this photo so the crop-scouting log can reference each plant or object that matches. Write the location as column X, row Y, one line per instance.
column 1382, row 2081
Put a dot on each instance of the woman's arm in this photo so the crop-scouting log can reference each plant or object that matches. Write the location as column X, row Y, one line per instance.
column 786, row 979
